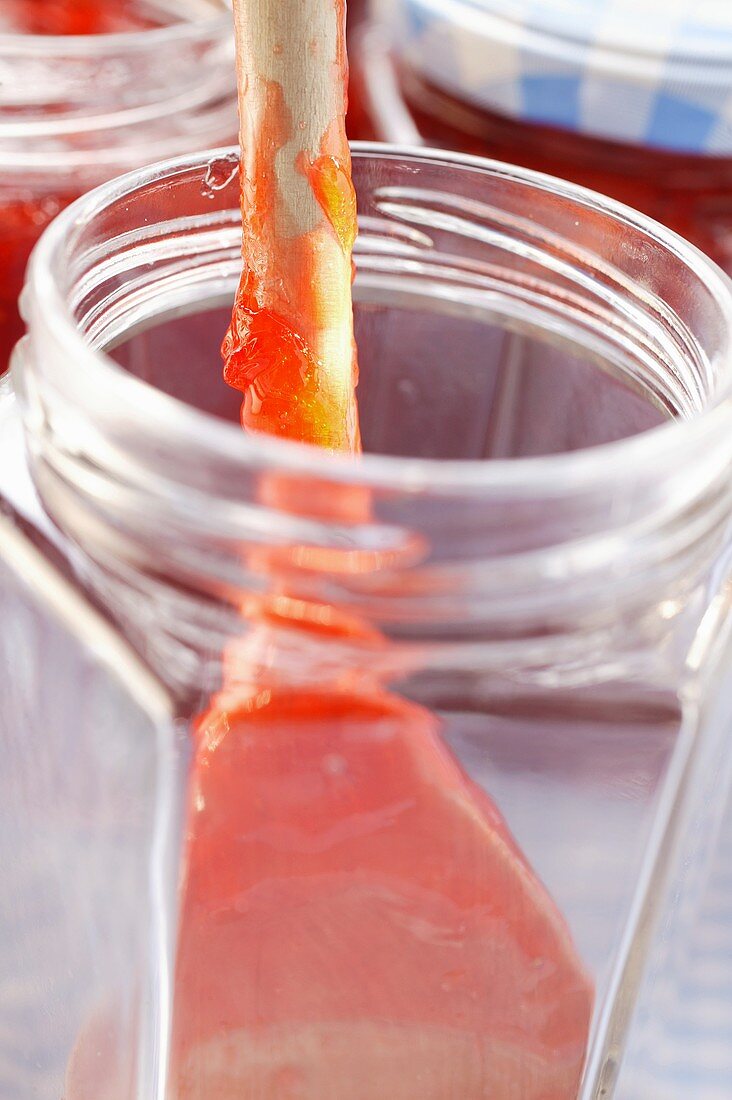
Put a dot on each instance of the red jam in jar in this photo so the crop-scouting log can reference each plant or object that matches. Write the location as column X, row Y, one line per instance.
column 90, row 89
column 22, row 220
column 635, row 108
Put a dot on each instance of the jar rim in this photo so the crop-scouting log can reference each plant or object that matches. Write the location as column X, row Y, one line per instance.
column 561, row 473
column 40, row 46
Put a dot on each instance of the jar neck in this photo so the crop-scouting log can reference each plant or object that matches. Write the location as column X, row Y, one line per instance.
column 583, row 587
column 83, row 108
column 198, row 536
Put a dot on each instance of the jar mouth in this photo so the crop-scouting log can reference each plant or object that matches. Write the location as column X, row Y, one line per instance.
column 704, row 421
column 166, row 501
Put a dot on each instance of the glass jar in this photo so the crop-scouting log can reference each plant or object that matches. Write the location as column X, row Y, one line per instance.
column 628, row 98
column 456, row 710
column 89, row 851
column 680, row 1040
column 78, row 110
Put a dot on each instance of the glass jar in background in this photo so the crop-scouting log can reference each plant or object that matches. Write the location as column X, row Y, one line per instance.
column 628, row 98
column 478, row 678
column 77, row 109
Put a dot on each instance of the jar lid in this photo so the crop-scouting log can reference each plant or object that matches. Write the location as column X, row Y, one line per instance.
column 651, row 72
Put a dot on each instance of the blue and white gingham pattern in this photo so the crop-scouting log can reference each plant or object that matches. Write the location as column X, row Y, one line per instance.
column 655, row 72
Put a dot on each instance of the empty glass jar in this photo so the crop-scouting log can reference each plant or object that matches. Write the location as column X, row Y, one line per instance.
column 434, row 738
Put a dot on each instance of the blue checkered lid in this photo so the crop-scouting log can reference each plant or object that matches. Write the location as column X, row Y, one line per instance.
column 654, row 72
